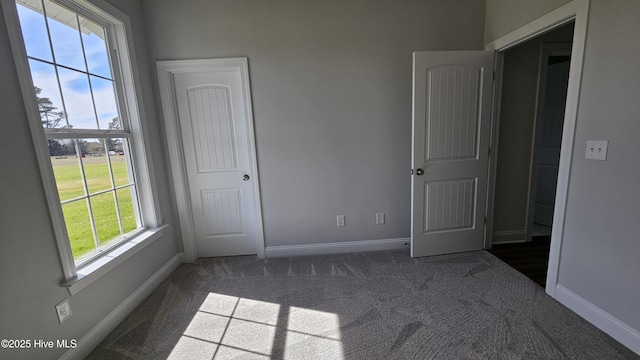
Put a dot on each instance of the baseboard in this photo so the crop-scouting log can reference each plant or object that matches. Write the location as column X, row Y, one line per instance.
column 506, row 237
column 337, row 247
column 89, row 342
column 606, row 322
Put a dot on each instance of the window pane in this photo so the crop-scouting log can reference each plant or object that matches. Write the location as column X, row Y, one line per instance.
column 47, row 94
column 96, row 165
column 65, row 37
column 66, row 168
column 127, row 210
column 95, row 48
column 34, row 30
column 77, row 98
column 105, row 217
column 118, row 157
column 106, row 107
column 69, row 59
column 76, row 217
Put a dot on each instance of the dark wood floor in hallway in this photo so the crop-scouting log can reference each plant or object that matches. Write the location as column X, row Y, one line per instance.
column 530, row 258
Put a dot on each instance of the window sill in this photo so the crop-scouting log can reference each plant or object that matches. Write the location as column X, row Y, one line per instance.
column 91, row 272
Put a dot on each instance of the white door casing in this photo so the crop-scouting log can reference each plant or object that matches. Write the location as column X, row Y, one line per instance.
column 578, row 11
column 209, row 124
column 451, row 130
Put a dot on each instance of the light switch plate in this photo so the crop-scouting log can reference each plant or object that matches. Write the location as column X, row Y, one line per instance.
column 63, row 310
column 596, row 150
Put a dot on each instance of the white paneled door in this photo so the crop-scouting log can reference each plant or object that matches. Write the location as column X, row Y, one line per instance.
column 212, row 105
column 451, row 130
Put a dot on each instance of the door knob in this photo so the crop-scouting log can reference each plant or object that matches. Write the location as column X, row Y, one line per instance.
column 245, row 177
column 420, row 172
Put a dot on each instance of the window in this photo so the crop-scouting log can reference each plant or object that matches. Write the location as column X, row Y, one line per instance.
column 86, row 124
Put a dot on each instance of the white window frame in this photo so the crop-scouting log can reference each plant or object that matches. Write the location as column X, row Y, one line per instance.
column 126, row 76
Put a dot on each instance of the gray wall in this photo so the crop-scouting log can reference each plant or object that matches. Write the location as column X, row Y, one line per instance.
column 601, row 241
column 504, row 16
column 331, row 88
column 30, row 269
column 517, row 121
column 601, row 244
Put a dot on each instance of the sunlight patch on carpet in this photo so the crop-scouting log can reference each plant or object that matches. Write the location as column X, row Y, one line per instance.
column 233, row 327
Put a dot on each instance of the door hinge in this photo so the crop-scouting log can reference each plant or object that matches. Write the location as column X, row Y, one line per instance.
column 411, row 171
column 494, row 76
column 489, row 152
column 485, row 220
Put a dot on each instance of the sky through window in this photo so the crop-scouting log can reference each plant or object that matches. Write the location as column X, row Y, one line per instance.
column 69, row 61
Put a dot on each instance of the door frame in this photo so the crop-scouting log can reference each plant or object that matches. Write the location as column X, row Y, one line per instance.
column 166, row 71
column 578, row 11
column 546, row 51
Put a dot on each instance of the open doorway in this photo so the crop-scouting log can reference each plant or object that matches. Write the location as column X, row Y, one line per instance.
column 534, row 89
column 552, row 96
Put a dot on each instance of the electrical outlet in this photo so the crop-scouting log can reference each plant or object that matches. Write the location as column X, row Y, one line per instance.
column 63, row 310
column 379, row 218
column 340, row 220
column 596, row 150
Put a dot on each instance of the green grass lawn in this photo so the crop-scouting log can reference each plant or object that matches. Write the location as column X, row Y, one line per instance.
column 76, row 213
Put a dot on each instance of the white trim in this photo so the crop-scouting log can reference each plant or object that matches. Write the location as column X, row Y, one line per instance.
column 176, row 161
column 493, row 145
column 507, row 237
column 577, row 10
column 136, row 113
column 94, row 270
column 337, row 247
column 568, row 138
column 39, row 140
column 99, row 332
column 134, row 109
column 166, row 71
column 604, row 321
column 549, row 21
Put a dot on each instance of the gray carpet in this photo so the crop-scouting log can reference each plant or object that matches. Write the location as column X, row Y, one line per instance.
column 378, row 305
